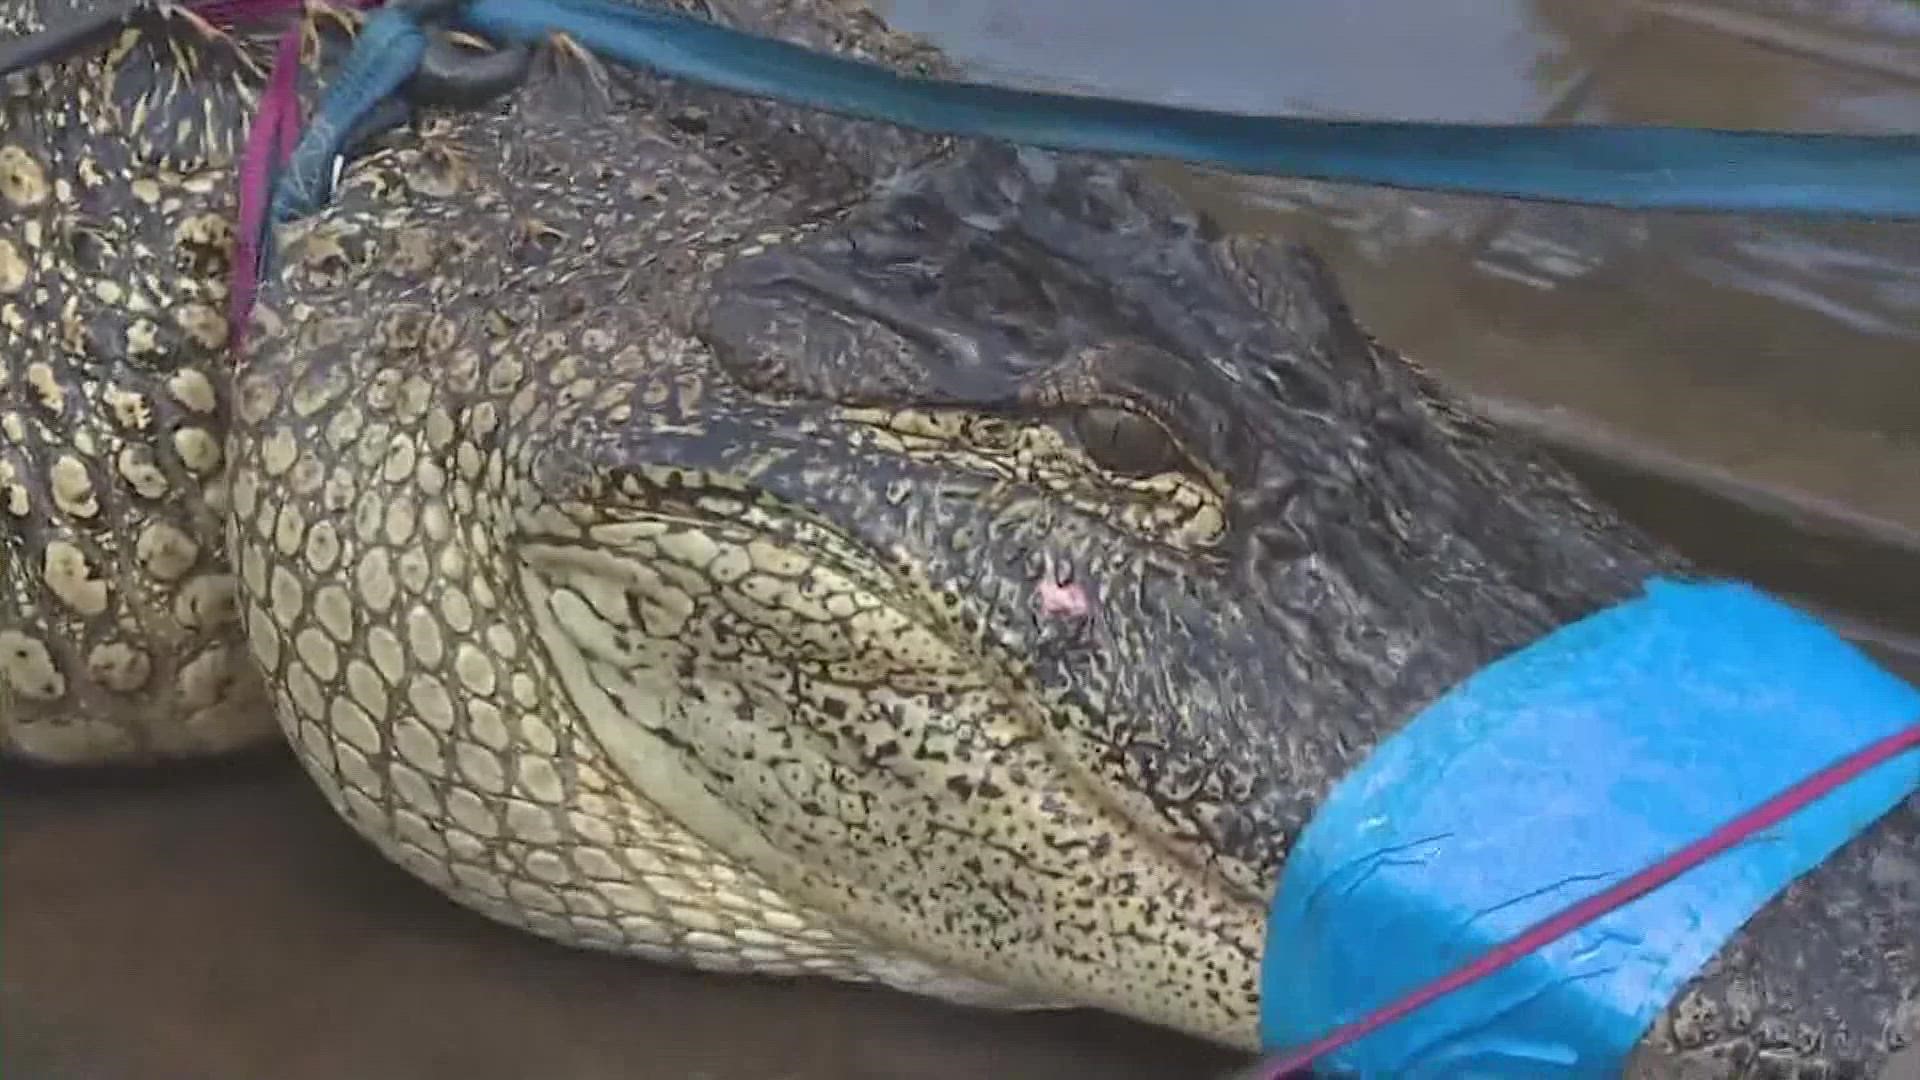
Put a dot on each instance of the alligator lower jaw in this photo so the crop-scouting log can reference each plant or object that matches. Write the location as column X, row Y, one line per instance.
column 1028, row 883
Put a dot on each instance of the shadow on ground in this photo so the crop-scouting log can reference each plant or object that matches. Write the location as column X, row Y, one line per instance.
column 224, row 925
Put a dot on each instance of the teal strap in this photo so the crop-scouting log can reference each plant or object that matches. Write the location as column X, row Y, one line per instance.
column 1631, row 167
column 386, row 55
column 1641, row 168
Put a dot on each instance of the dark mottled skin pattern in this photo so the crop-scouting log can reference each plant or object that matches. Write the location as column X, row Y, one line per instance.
column 118, row 638
column 957, row 377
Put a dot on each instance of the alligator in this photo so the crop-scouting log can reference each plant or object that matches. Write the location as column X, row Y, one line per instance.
column 741, row 537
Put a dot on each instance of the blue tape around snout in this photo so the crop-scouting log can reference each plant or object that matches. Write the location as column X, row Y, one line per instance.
column 1544, row 778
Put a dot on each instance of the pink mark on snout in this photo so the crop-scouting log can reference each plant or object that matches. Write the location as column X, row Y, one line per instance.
column 1063, row 600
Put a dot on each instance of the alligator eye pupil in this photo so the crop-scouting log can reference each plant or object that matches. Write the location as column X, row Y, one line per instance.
column 1125, row 442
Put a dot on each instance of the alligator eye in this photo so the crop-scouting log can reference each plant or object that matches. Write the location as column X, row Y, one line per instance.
column 1126, row 442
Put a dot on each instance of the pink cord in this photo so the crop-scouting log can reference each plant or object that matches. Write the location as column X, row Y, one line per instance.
column 269, row 142
column 275, row 132
column 1571, row 918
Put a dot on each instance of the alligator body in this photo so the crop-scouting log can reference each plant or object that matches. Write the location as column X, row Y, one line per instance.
column 705, row 530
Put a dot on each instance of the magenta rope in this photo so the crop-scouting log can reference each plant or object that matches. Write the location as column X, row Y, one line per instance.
column 275, row 132
column 269, row 142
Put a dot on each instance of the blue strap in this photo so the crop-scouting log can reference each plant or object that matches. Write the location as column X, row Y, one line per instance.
column 1641, row 168
column 386, row 55
column 1630, row 167
column 1543, row 779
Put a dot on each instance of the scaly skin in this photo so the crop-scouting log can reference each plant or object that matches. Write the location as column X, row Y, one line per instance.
column 118, row 636
column 692, row 528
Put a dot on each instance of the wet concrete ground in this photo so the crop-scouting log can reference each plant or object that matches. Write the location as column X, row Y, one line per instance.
column 1750, row 389
column 224, row 926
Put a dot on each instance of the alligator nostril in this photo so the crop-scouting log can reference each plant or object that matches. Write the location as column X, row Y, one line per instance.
column 88, row 250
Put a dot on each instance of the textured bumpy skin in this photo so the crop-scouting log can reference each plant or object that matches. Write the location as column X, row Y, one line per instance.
column 725, row 534
column 118, row 636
